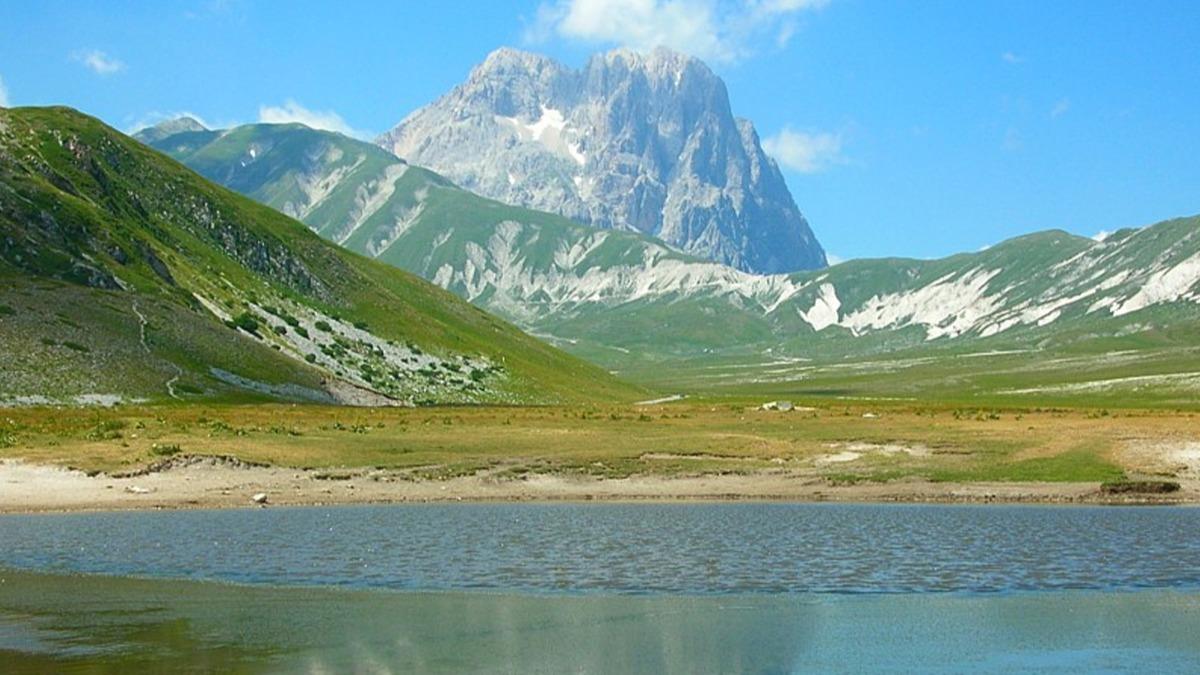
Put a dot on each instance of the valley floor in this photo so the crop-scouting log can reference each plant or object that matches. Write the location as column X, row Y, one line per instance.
column 220, row 456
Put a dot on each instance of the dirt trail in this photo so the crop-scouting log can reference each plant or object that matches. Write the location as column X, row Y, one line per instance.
column 146, row 347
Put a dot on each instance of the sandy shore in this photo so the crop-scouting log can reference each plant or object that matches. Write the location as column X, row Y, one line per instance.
column 205, row 482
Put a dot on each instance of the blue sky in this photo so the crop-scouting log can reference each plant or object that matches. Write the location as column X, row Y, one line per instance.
column 904, row 128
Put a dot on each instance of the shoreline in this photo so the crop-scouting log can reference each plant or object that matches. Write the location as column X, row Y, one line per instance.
column 221, row 483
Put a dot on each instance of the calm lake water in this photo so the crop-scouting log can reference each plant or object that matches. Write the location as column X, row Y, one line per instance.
column 604, row 588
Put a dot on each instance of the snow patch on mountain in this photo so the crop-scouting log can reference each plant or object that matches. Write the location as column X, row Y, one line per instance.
column 550, row 130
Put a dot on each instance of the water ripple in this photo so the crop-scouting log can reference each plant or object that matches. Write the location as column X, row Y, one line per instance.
column 636, row 549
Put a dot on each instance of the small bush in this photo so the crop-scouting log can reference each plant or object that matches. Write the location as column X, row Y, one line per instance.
column 280, row 329
column 311, row 358
column 246, row 321
column 165, row 450
column 323, row 325
column 5, row 310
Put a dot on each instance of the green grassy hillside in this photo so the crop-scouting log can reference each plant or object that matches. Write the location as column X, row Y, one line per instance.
column 125, row 275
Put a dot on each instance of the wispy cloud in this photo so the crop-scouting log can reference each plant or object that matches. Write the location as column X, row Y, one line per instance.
column 3, row 94
column 1010, row 57
column 1060, row 108
column 98, row 62
column 803, row 151
column 715, row 30
column 291, row 111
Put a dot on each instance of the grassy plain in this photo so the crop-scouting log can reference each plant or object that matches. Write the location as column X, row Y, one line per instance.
column 841, row 443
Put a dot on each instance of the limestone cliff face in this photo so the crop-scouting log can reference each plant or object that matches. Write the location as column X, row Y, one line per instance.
column 643, row 142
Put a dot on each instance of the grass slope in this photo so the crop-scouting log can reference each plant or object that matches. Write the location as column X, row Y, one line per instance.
column 121, row 251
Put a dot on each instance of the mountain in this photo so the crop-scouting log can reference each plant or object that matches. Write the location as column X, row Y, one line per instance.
column 529, row 265
column 621, row 298
column 646, row 143
column 173, row 127
column 126, row 276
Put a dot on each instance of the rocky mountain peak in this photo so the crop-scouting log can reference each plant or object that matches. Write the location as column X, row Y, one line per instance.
column 636, row 141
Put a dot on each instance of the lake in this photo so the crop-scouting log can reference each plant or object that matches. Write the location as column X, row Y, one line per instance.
column 604, row 588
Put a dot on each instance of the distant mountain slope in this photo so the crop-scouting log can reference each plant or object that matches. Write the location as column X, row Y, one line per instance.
column 640, row 142
column 124, row 275
column 617, row 296
column 526, row 264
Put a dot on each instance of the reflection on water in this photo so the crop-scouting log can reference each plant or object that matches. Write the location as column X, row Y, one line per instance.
column 680, row 548
column 100, row 624
column 603, row 588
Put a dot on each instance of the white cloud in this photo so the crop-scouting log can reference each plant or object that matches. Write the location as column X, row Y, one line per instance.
column 833, row 259
column 715, row 30
column 1060, row 108
column 1009, row 57
column 804, row 152
column 98, row 62
column 291, row 111
column 3, row 94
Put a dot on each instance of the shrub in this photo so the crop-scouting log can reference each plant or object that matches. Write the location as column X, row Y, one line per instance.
column 280, row 329
column 311, row 358
column 323, row 325
column 246, row 321
column 165, row 450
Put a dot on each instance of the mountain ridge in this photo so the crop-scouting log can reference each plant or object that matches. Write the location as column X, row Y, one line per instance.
column 597, row 292
column 646, row 143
